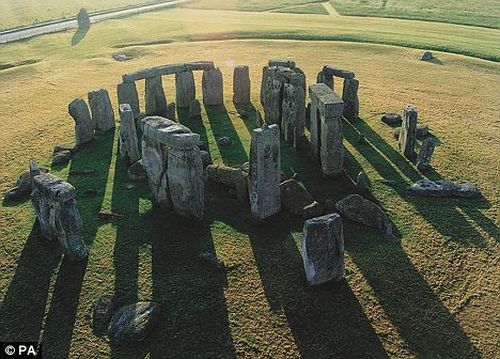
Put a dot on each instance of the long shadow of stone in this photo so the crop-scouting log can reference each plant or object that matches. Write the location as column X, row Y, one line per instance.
column 194, row 124
column 23, row 307
column 222, row 126
column 247, row 115
column 79, row 35
column 195, row 318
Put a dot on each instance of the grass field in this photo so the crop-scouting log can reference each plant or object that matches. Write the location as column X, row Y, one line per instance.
column 433, row 294
column 314, row 8
column 468, row 12
column 246, row 5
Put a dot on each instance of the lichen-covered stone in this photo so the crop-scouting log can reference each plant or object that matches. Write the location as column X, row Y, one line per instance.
column 154, row 159
column 358, row 209
column 213, row 87
column 408, row 135
column 444, row 188
column 323, row 249
column 103, row 117
column 127, row 93
column 265, row 172
column 156, row 101
column 133, row 323
column 241, row 85
column 425, row 155
column 84, row 127
column 185, row 89
column 128, row 142
column 350, row 98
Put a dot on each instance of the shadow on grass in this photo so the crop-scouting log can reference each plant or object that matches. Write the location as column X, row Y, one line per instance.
column 247, row 114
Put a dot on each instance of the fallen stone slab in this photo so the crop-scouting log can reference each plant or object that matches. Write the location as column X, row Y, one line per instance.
column 230, row 177
column 392, row 118
column 294, row 197
column 22, row 188
column 61, row 158
column 323, row 249
column 108, row 216
column 358, row 209
column 444, row 188
column 133, row 323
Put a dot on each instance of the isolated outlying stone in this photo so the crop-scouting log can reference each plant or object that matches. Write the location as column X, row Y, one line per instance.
column 444, row 188
column 358, row 209
column 294, row 197
column 83, row 19
column 426, row 56
column 323, row 249
column 133, row 323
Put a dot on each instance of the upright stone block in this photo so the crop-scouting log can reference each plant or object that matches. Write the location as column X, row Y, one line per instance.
column 195, row 110
column 351, row 100
column 128, row 142
column 265, row 172
column 55, row 207
column 127, row 93
column 185, row 89
column 324, row 78
column 326, row 128
column 213, row 87
column 425, row 155
column 103, row 116
column 288, row 114
column 408, row 134
column 241, row 85
column 84, row 128
column 156, row 101
column 154, row 159
column 323, row 249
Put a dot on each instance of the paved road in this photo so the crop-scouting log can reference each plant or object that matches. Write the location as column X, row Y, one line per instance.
column 61, row 25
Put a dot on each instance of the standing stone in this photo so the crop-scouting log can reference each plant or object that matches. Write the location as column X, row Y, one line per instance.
column 195, row 110
column 272, row 109
column 185, row 89
column 288, row 113
column 103, row 116
column 128, row 143
column 324, row 78
column 156, row 102
column 425, row 155
column 264, row 85
column 154, row 160
column 350, row 98
column 408, row 134
column 258, row 120
column 265, row 172
column 323, row 249
column 213, row 87
column 171, row 111
column 55, row 207
column 127, row 93
column 362, row 184
column 241, row 85
column 84, row 129
column 326, row 129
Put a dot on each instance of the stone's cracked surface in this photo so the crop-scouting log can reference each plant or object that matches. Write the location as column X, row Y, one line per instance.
column 127, row 93
column 444, row 188
column 133, row 323
column 408, row 134
column 103, row 117
column 323, row 249
column 213, row 87
column 425, row 155
column 55, row 207
column 358, row 209
column 156, row 101
column 326, row 128
column 128, row 141
column 265, row 172
column 241, row 85
column 84, row 128
column 350, row 98
column 185, row 89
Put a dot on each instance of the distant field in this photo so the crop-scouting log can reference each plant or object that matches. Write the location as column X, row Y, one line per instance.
column 15, row 13
column 468, row 12
column 247, row 5
column 314, row 8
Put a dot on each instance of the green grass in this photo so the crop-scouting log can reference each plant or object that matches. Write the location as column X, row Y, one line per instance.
column 317, row 9
column 432, row 294
column 468, row 12
column 246, row 5
column 15, row 13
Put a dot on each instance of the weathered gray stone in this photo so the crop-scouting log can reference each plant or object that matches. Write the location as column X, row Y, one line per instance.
column 213, row 87
column 185, row 182
column 137, row 172
column 362, row 184
column 282, row 62
column 171, row 111
column 241, row 85
column 169, row 133
column 358, row 209
column 23, row 186
column 294, row 197
column 195, row 110
column 422, row 132
column 425, row 155
column 205, row 158
column 350, row 98
column 408, row 135
column 327, row 79
column 127, row 93
column 154, row 160
column 103, row 117
column 169, row 69
column 61, row 158
column 444, row 188
column 84, row 128
column 323, row 249
column 128, row 142
column 133, row 323
column 288, row 113
column 265, row 172
column 313, row 210
column 185, row 89
column 333, row 71
column 230, row 177
column 258, row 120
column 426, row 56
column 391, row 118
column 326, row 129
column 156, row 101
column 55, row 207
